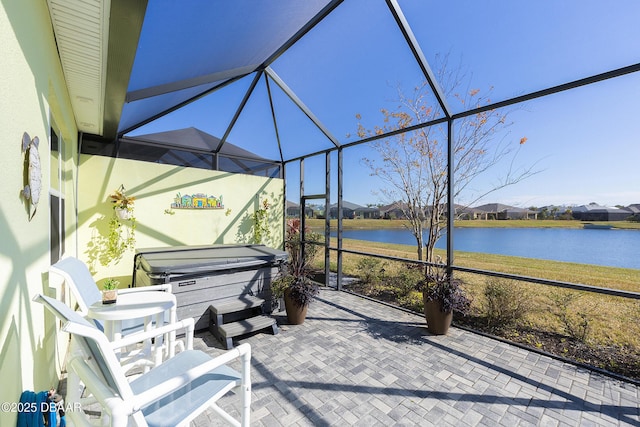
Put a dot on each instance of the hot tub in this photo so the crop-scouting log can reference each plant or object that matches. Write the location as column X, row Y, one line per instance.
column 200, row 275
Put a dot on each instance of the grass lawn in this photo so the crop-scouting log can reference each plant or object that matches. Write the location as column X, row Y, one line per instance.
column 596, row 329
column 607, row 277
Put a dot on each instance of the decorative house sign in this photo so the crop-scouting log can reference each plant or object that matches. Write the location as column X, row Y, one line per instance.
column 197, row 201
column 33, row 173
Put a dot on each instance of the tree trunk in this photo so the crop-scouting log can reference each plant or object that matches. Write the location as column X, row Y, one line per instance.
column 420, row 242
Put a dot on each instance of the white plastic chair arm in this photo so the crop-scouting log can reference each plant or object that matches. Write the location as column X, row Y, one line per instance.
column 118, row 408
column 137, row 337
column 165, row 287
column 166, row 387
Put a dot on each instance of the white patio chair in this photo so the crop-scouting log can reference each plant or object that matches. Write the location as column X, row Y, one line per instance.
column 77, row 275
column 85, row 290
column 172, row 394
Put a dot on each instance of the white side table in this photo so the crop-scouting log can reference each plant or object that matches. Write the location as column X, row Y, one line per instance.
column 136, row 305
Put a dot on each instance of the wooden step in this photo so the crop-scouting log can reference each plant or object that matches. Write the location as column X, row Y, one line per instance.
column 241, row 303
column 241, row 327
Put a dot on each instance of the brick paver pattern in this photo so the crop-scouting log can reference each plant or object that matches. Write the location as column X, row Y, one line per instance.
column 355, row 362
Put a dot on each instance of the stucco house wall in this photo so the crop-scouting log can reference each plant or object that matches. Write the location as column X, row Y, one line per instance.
column 155, row 188
column 33, row 99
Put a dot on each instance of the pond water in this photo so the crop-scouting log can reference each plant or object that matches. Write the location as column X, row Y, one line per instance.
column 613, row 248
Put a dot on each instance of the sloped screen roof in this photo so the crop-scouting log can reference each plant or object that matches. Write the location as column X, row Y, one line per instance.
column 185, row 51
column 288, row 78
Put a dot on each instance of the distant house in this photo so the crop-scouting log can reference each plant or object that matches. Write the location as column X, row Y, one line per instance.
column 397, row 210
column 367, row 213
column 353, row 210
column 596, row 212
column 635, row 211
column 466, row 212
column 555, row 212
column 500, row 211
column 348, row 210
column 392, row 211
column 293, row 210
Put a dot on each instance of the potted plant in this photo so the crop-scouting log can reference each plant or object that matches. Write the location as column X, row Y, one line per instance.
column 122, row 204
column 110, row 291
column 294, row 284
column 442, row 295
column 122, row 226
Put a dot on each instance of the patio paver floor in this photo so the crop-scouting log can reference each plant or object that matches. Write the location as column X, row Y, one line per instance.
column 361, row 363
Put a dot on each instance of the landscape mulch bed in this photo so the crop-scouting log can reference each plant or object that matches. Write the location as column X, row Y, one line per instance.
column 616, row 360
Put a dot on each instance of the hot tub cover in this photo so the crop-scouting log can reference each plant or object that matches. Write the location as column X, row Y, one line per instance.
column 201, row 259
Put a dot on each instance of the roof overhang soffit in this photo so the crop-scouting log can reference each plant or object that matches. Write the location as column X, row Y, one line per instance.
column 97, row 43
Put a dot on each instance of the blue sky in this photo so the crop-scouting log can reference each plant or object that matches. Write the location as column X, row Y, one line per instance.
column 585, row 142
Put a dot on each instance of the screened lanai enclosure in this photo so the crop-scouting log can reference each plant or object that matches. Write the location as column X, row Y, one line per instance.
column 529, row 105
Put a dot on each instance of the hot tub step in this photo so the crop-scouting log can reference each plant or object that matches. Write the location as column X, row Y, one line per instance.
column 246, row 326
column 238, row 316
column 244, row 302
column 226, row 332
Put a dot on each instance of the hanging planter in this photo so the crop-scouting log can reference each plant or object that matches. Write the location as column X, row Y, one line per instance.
column 122, row 204
column 122, row 226
column 122, row 213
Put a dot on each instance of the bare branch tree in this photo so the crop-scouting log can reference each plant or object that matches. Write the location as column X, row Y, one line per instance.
column 413, row 164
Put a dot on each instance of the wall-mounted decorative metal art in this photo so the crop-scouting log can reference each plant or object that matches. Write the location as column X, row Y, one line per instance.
column 32, row 172
column 197, row 201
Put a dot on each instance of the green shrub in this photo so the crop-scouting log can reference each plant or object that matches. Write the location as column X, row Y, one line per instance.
column 505, row 303
column 405, row 282
column 412, row 301
column 370, row 270
column 575, row 322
